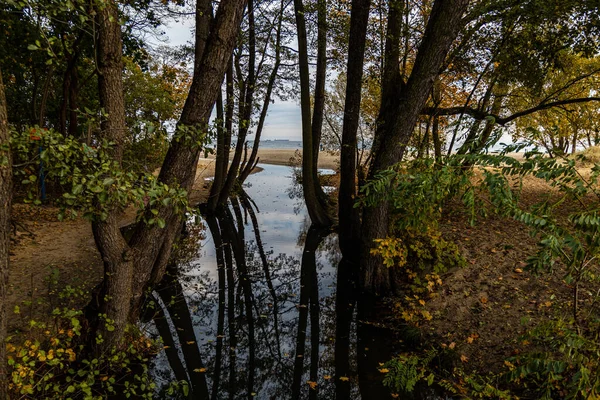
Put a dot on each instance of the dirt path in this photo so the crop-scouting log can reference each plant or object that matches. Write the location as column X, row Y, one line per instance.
column 60, row 254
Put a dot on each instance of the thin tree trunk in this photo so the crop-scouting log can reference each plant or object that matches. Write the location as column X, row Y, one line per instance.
column 220, row 161
column 437, row 142
column 73, row 106
column 245, row 108
column 44, row 101
column 349, row 222
column 424, row 146
column 266, row 102
column 223, row 140
column 375, row 223
column 319, row 96
column 5, row 210
column 318, row 214
column 395, row 131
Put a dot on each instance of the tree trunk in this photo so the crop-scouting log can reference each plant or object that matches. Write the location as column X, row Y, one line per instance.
column 45, row 93
column 5, row 209
column 225, row 121
column 247, row 93
column 181, row 161
column 437, row 141
column 318, row 214
column 142, row 262
column 73, row 106
column 395, row 130
column 348, row 215
column 319, row 96
column 266, row 102
column 113, row 302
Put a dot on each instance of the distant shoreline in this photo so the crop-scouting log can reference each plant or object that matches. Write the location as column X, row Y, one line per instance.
column 280, row 156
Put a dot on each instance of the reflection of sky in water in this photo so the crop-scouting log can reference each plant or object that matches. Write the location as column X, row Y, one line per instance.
column 283, row 223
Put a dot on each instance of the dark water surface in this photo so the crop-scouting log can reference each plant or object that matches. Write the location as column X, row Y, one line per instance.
column 256, row 314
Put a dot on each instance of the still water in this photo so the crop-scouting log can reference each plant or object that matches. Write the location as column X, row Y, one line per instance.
column 260, row 312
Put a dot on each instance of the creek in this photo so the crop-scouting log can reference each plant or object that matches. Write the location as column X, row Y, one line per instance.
column 259, row 310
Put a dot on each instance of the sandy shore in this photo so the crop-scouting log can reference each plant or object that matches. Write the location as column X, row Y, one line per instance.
column 206, row 167
column 283, row 157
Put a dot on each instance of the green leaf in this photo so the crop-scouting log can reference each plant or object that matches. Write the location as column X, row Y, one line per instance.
column 108, row 181
column 32, row 47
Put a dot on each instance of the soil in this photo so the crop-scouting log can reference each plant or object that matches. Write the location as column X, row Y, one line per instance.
column 482, row 309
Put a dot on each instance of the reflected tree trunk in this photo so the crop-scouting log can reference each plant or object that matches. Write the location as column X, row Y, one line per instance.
column 231, row 320
column 373, row 346
column 344, row 309
column 213, row 225
column 266, row 269
column 172, row 296
column 171, row 349
column 308, row 278
column 233, row 237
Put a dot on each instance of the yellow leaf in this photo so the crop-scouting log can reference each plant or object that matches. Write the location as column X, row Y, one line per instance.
column 200, row 370
column 384, row 370
column 327, row 377
column 312, row 384
column 344, row 378
column 464, row 358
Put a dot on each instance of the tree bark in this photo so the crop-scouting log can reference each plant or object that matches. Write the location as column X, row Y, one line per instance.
column 396, row 128
column 318, row 214
column 319, row 96
column 349, row 222
column 5, row 210
column 113, row 302
column 223, row 141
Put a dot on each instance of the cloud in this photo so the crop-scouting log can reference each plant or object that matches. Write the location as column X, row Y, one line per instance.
column 283, row 122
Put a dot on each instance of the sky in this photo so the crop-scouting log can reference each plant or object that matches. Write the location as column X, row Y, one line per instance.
column 283, row 120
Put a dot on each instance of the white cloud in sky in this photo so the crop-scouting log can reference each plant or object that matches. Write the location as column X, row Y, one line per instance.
column 283, row 121
column 180, row 32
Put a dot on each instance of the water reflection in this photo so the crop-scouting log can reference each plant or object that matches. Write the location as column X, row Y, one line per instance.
column 256, row 314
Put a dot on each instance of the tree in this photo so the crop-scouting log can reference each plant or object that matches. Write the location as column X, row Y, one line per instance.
column 401, row 105
column 349, row 218
column 311, row 129
column 256, row 84
column 135, row 265
column 5, row 207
